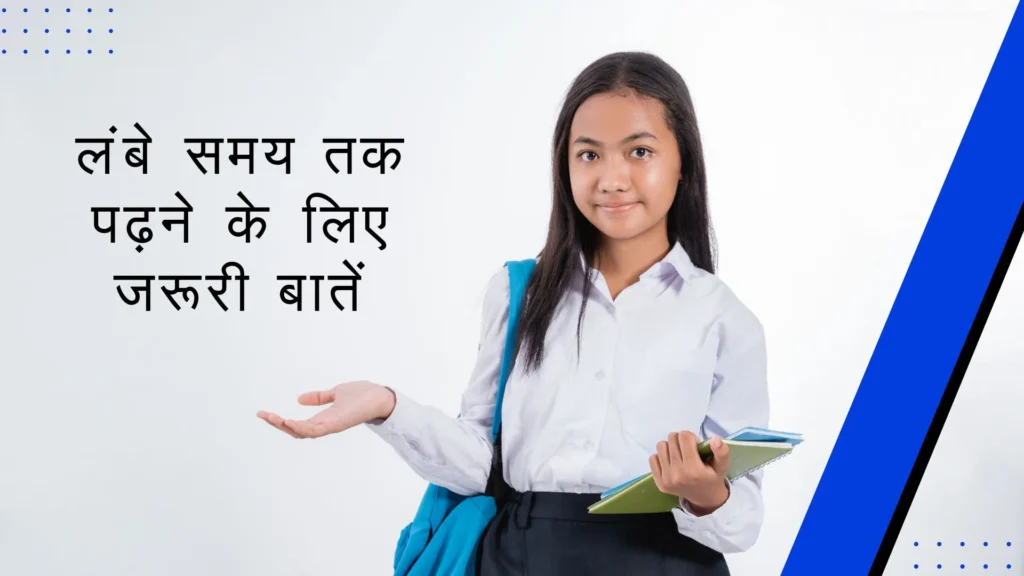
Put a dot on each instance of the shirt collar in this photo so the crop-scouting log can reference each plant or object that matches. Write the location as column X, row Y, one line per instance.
column 677, row 260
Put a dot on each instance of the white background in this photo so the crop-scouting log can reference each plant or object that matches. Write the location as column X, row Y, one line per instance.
column 129, row 442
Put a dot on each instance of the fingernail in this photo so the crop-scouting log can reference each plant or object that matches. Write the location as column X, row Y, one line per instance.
column 716, row 442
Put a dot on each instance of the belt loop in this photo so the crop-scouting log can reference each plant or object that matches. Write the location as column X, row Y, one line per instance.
column 523, row 511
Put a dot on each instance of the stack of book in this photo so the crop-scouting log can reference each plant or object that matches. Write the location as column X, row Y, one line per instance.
column 750, row 449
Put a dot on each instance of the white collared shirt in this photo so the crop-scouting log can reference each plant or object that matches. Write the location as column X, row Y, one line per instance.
column 675, row 351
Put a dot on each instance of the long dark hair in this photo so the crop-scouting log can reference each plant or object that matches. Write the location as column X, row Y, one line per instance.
column 570, row 234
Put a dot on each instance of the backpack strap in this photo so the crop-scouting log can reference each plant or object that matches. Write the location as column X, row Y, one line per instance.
column 518, row 277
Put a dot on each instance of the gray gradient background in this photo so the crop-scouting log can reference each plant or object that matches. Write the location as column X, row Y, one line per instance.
column 129, row 443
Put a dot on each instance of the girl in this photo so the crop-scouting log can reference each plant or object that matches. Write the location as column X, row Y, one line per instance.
column 629, row 352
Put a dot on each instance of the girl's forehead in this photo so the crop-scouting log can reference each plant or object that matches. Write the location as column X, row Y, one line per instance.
column 610, row 117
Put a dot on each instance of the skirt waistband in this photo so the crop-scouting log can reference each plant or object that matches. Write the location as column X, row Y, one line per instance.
column 567, row 506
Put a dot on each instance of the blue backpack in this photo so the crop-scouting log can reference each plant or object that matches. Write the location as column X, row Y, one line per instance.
column 443, row 536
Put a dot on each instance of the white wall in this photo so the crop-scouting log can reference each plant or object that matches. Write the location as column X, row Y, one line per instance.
column 129, row 442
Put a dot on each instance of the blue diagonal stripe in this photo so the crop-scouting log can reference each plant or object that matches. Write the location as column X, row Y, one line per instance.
column 924, row 334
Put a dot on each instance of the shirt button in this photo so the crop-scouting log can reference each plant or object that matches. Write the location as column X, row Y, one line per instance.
column 599, row 374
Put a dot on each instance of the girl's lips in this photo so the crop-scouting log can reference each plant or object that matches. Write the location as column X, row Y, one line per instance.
column 617, row 208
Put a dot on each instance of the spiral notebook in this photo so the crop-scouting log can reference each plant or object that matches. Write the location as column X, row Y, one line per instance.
column 750, row 449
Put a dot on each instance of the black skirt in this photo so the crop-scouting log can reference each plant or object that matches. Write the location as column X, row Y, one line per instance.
column 547, row 534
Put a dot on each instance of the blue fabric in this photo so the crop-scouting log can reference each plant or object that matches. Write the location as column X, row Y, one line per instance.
column 443, row 536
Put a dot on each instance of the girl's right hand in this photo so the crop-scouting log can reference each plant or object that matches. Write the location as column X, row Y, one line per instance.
column 351, row 404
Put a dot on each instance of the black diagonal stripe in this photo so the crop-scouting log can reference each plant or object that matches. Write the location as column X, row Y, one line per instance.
column 899, row 515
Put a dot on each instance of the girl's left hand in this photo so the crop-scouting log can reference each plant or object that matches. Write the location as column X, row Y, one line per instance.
column 679, row 470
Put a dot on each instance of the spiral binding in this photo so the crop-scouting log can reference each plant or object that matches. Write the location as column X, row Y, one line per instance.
column 756, row 468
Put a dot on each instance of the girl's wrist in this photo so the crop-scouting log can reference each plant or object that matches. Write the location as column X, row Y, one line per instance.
column 387, row 402
column 715, row 499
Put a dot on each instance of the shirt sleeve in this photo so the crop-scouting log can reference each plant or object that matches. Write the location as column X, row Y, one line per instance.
column 456, row 452
column 739, row 398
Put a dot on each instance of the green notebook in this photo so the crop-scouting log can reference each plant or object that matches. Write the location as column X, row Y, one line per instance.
column 749, row 449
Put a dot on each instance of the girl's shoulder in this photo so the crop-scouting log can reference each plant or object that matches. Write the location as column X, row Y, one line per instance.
column 496, row 290
column 725, row 309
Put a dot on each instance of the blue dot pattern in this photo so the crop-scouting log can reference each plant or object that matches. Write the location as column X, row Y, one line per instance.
column 962, row 566
column 3, row 51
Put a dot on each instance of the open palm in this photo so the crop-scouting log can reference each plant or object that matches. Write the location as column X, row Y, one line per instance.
column 350, row 404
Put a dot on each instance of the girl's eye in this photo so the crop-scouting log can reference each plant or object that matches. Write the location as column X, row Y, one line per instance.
column 644, row 152
column 587, row 155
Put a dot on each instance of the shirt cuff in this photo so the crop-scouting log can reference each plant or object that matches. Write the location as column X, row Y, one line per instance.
column 397, row 424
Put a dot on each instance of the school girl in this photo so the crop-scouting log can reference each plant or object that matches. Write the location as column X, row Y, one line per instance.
column 629, row 352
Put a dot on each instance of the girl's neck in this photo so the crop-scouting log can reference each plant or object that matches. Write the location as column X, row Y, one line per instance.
column 621, row 262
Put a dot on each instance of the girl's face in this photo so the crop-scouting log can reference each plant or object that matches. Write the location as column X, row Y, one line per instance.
column 624, row 164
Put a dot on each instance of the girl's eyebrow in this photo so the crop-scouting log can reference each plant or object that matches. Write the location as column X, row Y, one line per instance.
column 630, row 138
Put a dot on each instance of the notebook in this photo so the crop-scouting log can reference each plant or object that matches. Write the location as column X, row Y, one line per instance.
column 750, row 449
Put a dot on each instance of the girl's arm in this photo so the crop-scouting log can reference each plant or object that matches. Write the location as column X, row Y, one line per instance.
column 739, row 398
column 456, row 453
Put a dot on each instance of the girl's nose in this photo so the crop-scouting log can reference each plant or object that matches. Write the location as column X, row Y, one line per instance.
column 614, row 175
